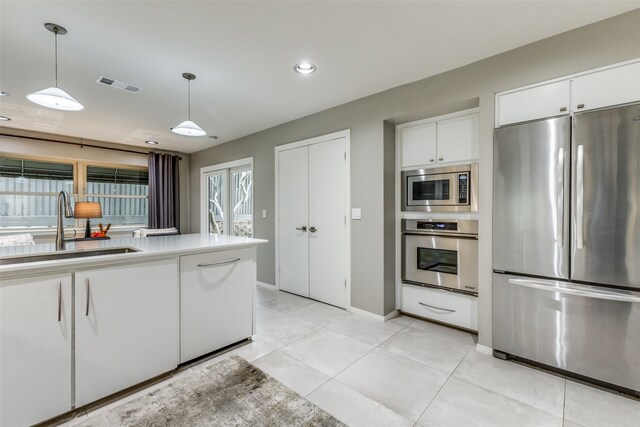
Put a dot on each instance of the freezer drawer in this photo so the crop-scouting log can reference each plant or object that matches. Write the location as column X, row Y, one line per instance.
column 588, row 330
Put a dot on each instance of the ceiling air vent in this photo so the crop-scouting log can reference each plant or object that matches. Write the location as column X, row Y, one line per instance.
column 118, row 84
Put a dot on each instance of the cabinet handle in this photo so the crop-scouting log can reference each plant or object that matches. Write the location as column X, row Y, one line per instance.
column 563, row 109
column 88, row 289
column 441, row 159
column 432, row 160
column 437, row 308
column 580, row 105
column 59, row 301
column 214, row 264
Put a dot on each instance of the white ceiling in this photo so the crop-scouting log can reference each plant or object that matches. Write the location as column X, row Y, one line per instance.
column 243, row 55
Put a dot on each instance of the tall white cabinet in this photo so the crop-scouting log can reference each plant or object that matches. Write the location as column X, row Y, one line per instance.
column 312, row 239
column 126, row 326
column 35, row 349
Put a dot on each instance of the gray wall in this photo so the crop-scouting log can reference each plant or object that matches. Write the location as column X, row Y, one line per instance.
column 599, row 44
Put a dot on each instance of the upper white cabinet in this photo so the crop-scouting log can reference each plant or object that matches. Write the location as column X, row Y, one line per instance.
column 457, row 139
column 35, row 350
column 216, row 296
column 445, row 140
column 126, row 326
column 614, row 86
column 418, row 145
column 538, row 102
column 582, row 92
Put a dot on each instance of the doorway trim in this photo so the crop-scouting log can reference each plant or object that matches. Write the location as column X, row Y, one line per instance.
column 203, row 189
column 346, row 134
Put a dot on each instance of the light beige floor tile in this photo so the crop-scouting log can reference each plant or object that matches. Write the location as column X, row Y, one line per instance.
column 264, row 294
column 401, row 319
column 371, row 331
column 286, row 302
column 526, row 385
column 327, row 351
column 294, row 374
column 281, row 330
column 263, row 312
column 460, row 403
column 590, row 406
column 396, row 382
column 253, row 350
column 444, row 332
column 570, row 424
column 430, row 349
column 319, row 313
column 355, row 409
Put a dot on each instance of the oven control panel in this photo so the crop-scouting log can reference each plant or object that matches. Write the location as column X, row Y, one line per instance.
column 439, row 226
column 463, row 188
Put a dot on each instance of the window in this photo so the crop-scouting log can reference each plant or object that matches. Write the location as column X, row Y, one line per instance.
column 122, row 193
column 227, row 198
column 29, row 192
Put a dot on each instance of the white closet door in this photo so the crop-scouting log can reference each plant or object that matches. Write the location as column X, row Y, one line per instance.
column 327, row 216
column 293, row 210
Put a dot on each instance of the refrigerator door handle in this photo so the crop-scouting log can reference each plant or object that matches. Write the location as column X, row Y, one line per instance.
column 580, row 198
column 552, row 286
column 560, row 199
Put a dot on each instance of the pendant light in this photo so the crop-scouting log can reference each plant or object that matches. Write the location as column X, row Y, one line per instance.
column 188, row 128
column 54, row 97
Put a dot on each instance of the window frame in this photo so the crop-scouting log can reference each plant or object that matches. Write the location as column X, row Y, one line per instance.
column 79, row 187
column 226, row 169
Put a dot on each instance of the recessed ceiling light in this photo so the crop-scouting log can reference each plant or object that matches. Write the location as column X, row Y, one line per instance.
column 4, row 119
column 304, row 68
column 3, row 93
column 151, row 142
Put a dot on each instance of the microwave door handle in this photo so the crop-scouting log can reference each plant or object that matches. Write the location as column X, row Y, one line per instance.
column 560, row 199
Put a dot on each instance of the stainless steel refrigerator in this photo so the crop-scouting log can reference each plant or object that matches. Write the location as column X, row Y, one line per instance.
column 566, row 244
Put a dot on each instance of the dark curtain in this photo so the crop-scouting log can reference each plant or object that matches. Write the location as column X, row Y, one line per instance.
column 164, row 191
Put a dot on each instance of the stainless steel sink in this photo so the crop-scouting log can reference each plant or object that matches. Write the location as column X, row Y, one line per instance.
column 52, row 256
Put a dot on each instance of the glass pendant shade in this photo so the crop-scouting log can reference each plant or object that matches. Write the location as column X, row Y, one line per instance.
column 54, row 97
column 188, row 128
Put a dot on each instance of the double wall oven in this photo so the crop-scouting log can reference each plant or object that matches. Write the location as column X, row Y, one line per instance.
column 441, row 254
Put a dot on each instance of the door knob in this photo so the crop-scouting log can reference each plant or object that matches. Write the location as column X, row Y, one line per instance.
column 313, row 229
column 303, row 228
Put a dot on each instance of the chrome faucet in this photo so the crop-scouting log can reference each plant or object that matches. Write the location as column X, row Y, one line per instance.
column 64, row 208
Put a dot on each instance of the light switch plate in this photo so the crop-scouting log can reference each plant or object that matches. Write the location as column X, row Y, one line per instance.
column 356, row 213
column 264, row 213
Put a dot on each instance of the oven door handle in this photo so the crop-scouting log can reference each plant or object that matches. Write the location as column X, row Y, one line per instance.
column 449, row 235
column 448, row 310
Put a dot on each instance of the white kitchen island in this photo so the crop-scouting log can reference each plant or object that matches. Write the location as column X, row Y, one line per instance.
column 77, row 329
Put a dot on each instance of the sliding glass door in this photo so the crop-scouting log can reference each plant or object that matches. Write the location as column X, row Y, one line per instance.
column 227, row 199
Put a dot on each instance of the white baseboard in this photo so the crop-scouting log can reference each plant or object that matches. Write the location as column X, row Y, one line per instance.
column 484, row 349
column 266, row 285
column 361, row 312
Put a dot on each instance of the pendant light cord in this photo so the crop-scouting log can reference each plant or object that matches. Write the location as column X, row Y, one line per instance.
column 55, row 32
column 189, row 98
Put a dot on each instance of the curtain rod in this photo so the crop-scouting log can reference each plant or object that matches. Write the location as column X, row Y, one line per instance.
column 81, row 144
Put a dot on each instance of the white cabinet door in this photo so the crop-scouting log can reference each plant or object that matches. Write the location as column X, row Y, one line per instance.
column 216, row 300
column 35, row 349
column 418, row 145
column 538, row 102
column 606, row 88
column 126, row 326
column 293, row 212
column 328, row 222
column 458, row 139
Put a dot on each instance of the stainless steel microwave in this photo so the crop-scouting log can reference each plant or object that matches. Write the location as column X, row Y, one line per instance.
column 447, row 189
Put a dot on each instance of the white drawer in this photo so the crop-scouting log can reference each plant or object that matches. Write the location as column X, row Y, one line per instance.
column 441, row 305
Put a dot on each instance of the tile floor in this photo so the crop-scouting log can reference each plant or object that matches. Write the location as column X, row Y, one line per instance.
column 407, row 372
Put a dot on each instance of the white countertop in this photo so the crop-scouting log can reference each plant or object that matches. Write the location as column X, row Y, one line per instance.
column 148, row 248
